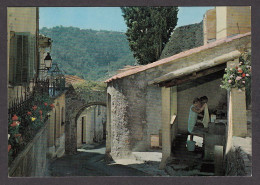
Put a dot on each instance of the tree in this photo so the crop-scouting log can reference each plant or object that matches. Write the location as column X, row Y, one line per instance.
column 149, row 29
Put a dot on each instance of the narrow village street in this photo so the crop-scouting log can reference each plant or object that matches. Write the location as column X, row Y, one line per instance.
column 158, row 96
column 90, row 162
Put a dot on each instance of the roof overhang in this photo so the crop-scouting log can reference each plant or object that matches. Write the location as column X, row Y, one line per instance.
column 238, row 42
column 195, row 71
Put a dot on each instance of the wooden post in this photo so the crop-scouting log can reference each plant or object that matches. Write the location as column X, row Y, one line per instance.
column 166, row 118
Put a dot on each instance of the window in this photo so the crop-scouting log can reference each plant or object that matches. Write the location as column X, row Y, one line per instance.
column 22, row 57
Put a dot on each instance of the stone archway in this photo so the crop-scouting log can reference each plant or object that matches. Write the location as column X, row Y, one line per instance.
column 88, row 105
column 76, row 103
column 91, row 123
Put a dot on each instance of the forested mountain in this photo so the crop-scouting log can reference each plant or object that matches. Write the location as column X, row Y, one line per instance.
column 89, row 54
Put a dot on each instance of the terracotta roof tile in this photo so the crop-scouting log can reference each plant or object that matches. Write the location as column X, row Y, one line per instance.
column 177, row 56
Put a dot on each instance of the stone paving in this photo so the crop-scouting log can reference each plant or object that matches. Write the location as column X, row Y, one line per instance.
column 90, row 162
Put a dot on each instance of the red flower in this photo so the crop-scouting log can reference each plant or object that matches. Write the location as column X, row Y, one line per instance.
column 9, row 147
column 236, row 67
column 17, row 135
column 45, row 104
column 240, row 71
column 29, row 113
column 15, row 118
column 34, row 107
column 243, row 75
column 40, row 111
column 15, row 123
column 51, row 105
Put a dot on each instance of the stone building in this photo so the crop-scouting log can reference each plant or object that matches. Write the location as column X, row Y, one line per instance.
column 85, row 113
column 22, row 55
column 26, row 52
column 148, row 100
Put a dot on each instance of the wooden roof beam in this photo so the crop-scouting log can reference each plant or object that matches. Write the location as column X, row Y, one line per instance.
column 197, row 67
column 193, row 76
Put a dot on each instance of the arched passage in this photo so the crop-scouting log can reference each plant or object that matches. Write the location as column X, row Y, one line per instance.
column 91, row 123
column 76, row 103
column 88, row 105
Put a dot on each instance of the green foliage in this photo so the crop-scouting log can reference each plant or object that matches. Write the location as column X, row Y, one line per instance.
column 89, row 54
column 88, row 86
column 149, row 29
column 184, row 38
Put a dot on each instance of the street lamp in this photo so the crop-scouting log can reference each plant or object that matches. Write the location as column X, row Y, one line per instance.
column 48, row 61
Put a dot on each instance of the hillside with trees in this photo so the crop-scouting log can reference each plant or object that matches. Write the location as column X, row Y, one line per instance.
column 89, row 54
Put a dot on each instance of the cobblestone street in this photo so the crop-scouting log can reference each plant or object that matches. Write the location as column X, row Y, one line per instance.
column 89, row 162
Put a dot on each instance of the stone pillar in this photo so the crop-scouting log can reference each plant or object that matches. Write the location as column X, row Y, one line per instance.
column 174, row 127
column 237, row 108
column 238, row 111
column 71, row 136
column 166, row 134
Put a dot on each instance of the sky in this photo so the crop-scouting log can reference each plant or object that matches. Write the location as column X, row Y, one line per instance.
column 105, row 18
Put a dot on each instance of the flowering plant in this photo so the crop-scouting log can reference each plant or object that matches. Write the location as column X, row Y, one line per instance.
column 14, row 137
column 23, row 126
column 238, row 76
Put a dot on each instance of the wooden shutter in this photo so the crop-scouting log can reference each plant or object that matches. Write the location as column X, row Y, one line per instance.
column 22, row 58
column 12, row 57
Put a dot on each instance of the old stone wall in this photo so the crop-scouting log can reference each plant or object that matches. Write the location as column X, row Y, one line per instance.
column 76, row 103
column 153, row 112
column 32, row 161
column 119, row 125
column 238, row 20
column 232, row 20
column 209, row 26
column 136, row 114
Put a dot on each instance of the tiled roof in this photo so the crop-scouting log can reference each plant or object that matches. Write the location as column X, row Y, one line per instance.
column 73, row 79
column 177, row 56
